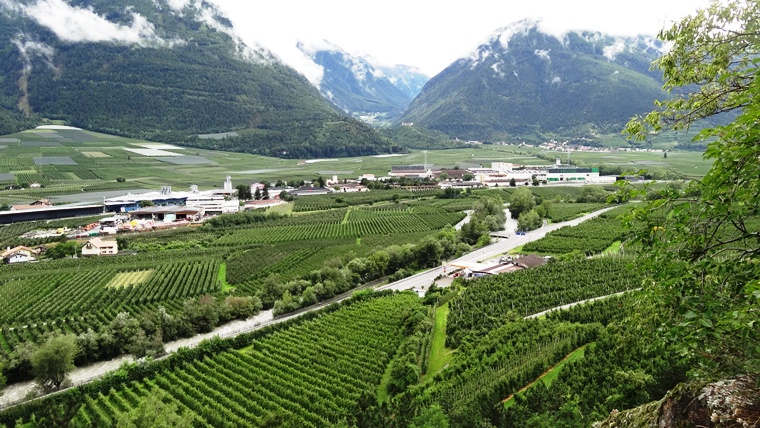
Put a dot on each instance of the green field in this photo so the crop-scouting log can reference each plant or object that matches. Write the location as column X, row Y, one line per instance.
column 440, row 355
column 100, row 159
column 688, row 164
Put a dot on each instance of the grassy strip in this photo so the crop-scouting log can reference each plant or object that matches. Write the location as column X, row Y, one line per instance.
column 222, row 277
column 126, row 279
column 440, row 355
column 550, row 375
column 613, row 249
column 345, row 217
column 382, row 389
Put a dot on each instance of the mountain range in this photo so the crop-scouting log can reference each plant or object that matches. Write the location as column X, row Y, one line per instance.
column 166, row 71
column 170, row 70
column 523, row 83
column 361, row 87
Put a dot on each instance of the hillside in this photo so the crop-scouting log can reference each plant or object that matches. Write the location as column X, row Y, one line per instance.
column 522, row 83
column 155, row 70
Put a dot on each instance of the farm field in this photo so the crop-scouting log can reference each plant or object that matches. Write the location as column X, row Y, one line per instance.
column 168, row 268
column 94, row 161
column 327, row 368
column 588, row 238
column 689, row 164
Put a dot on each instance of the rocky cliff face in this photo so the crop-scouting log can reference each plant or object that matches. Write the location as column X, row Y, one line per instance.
column 731, row 403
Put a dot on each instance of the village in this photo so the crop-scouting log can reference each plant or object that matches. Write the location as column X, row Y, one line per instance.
column 163, row 209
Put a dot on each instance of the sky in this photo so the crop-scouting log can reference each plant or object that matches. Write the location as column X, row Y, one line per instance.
column 432, row 34
column 422, row 33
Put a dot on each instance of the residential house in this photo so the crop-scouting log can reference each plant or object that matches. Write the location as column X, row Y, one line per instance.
column 18, row 254
column 100, row 247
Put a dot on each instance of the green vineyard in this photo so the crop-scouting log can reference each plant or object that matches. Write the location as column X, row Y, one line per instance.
column 313, row 372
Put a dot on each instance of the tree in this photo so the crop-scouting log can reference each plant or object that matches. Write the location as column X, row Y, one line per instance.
column 592, row 194
column 257, row 194
column 154, row 412
column 529, row 221
column 270, row 290
column 443, row 176
column 702, row 251
column 468, row 176
column 244, row 192
column 512, row 182
column 265, row 193
column 53, row 360
column 202, row 313
column 522, row 200
column 62, row 249
column 146, row 203
column 433, row 417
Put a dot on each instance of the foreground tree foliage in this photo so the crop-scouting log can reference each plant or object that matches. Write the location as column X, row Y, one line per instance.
column 702, row 251
column 53, row 360
column 154, row 412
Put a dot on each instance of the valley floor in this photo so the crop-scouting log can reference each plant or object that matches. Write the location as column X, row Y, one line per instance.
column 16, row 393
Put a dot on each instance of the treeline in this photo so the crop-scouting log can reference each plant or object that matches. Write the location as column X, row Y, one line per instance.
column 396, row 262
column 141, row 335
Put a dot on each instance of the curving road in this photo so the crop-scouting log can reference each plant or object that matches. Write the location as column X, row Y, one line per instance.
column 16, row 393
column 423, row 280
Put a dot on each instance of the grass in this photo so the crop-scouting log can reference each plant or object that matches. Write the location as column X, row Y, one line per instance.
column 145, row 172
column 126, row 279
column 613, row 249
column 550, row 375
column 440, row 355
column 382, row 389
column 222, row 277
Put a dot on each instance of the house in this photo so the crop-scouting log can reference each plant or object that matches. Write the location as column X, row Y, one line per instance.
column 351, row 188
column 99, row 247
column 18, row 254
column 40, row 203
column 310, row 191
column 529, row 261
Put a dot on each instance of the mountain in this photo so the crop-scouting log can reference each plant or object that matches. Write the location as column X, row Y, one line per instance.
column 164, row 70
column 522, row 83
column 410, row 80
column 359, row 87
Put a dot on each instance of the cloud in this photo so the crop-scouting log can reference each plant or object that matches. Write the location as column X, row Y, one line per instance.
column 75, row 24
column 30, row 48
column 9, row 5
column 612, row 50
column 178, row 5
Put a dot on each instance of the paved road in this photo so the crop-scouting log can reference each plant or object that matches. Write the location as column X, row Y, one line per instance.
column 422, row 280
column 419, row 282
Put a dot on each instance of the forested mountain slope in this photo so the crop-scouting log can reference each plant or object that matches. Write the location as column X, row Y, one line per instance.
column 164, row 71
column 525, row 83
